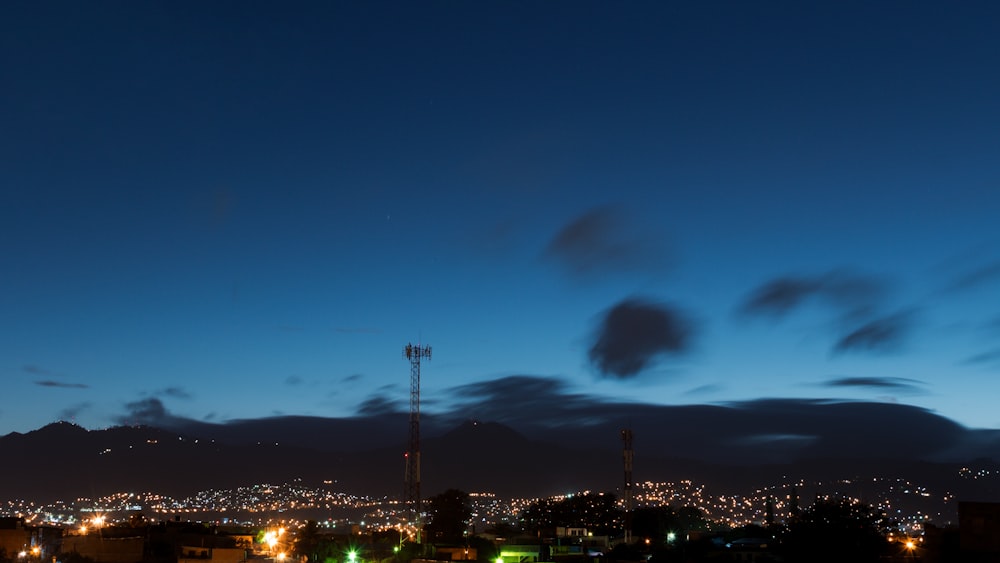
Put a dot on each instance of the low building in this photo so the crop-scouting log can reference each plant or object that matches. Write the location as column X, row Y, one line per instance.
column 105, row 550
column 197, row 554
column 14, row 536
column 456, row 553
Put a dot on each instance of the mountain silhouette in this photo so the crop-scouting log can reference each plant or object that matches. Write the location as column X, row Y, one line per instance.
column 62, row 461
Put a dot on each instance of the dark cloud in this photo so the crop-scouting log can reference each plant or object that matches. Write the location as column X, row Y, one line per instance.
column 882, row 383
column 883, row 334
column 778, row 297
column 50, row 383
column 149, row 412
column 514, row 398
column 352, row 378
column 853, row 300
column 764, row 430
column 175, row 392
column 602, row 241
column 71, row 412
column 380, row 405
column 634, row 333
column 983, row 275
column 547, row 410
column 293, row 380
column 848, row 294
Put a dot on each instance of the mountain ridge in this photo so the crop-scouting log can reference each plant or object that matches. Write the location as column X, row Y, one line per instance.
column 64, row 461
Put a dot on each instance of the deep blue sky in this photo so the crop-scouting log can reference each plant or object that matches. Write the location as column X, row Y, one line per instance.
column 238, row 210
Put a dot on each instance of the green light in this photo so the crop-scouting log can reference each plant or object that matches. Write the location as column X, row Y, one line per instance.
column 395, row 549
column 499, row 560
column 352, row 556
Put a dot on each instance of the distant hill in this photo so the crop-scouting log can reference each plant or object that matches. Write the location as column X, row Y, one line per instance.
column 62, row 461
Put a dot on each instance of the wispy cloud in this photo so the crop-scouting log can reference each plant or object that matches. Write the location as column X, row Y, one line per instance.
column 852, row 300
column 987, row 357
column 50, row 383
column 883, row 334
column 293, row 380
column 880, row 383
column 602, row 241
column 848, row 294
column 38, row 371
column 523, row 398
column 149, row 411
column 704, row 389
column 983, row 275
column 634, row 333
column 71, row 412
column 175, row 392
column 379, row 405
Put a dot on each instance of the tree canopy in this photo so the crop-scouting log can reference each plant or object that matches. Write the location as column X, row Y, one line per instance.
column 833, row 530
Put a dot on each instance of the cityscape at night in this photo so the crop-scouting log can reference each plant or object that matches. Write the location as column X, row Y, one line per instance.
column 261, row 505
column 560, row 281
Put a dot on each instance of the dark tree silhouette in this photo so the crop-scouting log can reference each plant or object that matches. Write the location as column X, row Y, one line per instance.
column 835, row 530
column 312, row 544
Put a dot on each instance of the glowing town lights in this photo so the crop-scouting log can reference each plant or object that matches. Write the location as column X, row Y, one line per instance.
column 281, row 556
column 271, row 539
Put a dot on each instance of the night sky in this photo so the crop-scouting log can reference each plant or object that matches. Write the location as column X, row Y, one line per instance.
column 223, row 211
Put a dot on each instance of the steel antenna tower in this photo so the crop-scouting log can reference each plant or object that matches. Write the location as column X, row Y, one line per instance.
column 627, row 493
column 414, row 353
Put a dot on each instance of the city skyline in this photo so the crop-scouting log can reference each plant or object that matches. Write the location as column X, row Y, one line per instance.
column 239, row 211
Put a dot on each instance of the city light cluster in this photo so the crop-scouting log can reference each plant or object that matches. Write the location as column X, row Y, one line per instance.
column 910, row 506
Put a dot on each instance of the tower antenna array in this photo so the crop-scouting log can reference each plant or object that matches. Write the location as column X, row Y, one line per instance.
column 627, row 492
column 411, row 478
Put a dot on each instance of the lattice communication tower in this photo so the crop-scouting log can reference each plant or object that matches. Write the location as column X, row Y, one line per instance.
column 411, row 477
column 627, row 493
